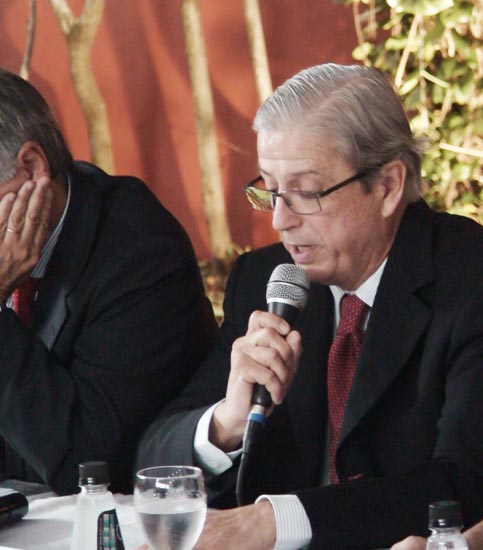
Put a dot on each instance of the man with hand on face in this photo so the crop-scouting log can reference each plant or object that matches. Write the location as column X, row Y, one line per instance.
column 103, row 317
column 396, row 294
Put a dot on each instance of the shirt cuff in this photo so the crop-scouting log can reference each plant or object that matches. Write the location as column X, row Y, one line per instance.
column 208, row 456
column 291, row 521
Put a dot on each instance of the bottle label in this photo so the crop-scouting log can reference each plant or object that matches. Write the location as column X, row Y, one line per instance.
column 109, row 532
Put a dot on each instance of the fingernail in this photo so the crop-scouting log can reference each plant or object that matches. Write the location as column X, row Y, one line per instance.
column 284, row 327
column 28, row 185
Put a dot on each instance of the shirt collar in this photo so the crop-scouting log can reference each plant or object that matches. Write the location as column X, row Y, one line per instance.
column 48, row 248
column 366, row 292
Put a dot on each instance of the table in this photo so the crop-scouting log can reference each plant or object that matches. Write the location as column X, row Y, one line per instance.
column 49, row 522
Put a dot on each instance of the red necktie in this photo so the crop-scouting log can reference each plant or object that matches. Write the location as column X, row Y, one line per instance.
column 23, row 298
column 341, row 366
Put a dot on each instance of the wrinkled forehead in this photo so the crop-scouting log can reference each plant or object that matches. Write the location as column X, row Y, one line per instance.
column 295, row 152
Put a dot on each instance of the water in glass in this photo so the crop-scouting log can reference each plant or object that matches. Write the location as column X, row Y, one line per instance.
column 171, row 505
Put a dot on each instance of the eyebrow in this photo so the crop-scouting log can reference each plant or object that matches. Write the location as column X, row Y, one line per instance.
column 295, row 175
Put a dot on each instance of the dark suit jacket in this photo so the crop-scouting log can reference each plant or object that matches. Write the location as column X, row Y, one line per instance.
column 119, row 326
column 412, row 430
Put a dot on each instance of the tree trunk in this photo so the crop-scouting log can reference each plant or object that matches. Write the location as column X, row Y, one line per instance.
column 211, row 180
column 258, row 51
column 80, row 33
column 24, row 68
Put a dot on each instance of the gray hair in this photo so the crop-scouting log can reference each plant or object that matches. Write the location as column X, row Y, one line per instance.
column 354, row 107
column 25, row 116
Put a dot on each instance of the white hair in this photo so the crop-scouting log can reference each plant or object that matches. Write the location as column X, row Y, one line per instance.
column 356, row 108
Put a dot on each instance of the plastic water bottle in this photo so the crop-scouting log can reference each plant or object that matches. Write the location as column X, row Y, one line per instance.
column 445, row 522
column 13, row 506
column 96, row 526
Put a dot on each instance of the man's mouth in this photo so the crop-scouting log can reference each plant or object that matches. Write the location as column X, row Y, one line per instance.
column 301, row 247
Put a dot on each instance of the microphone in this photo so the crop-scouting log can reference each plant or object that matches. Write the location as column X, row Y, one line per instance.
column 287, row 293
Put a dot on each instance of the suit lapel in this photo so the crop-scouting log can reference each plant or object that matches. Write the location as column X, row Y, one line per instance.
column 306, row 400
column 394, row 330
column 68, row 259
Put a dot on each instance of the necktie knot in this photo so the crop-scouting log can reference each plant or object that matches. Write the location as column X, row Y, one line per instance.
column 23, row 298
column 352, row 311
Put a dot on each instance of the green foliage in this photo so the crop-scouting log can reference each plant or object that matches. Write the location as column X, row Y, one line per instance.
column 433, row 50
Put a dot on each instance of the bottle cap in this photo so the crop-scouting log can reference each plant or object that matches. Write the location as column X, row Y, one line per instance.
column 93, row 473
column 445, row 513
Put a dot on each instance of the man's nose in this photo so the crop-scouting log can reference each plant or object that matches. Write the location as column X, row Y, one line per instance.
column 282, row 217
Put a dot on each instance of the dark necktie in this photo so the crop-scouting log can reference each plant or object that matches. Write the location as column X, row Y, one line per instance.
column 23, row 298
column 341, row 366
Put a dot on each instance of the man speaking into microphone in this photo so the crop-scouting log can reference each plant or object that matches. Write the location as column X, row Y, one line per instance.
column 377, row 385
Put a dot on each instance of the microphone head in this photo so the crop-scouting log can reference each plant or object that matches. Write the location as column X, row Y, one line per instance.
column 288, row 284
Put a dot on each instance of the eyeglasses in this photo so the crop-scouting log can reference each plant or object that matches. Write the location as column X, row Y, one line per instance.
column 299, row 202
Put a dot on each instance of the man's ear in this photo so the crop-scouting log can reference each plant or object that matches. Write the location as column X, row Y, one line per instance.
column 393, row 176
column 32, row 159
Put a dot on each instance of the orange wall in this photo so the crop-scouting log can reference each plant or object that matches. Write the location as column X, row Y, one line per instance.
column 140, row 66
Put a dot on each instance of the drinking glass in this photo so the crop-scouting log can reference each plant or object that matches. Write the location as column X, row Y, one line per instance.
column 171, row 504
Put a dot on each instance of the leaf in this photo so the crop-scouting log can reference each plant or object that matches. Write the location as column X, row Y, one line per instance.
column 409, row 85
column 412, row 101
column 463, row 46
column 462, row 171
column 460, row 14
column 435, row 32
column 419, row 125
column 362, row 51
column 457, row 136
column 429, row 51
column 396, row 43
column 447, row 67
column 478, row 125
column 464, row 90
column 420, row 7
column 454, row 121
column 438, row 94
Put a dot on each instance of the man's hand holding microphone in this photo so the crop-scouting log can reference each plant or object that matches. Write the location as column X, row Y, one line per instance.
column 266, row 358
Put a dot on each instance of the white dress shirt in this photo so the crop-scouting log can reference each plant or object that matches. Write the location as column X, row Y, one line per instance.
column 292, row 523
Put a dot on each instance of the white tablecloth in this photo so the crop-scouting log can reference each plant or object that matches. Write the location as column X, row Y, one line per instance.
column 49, row 521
